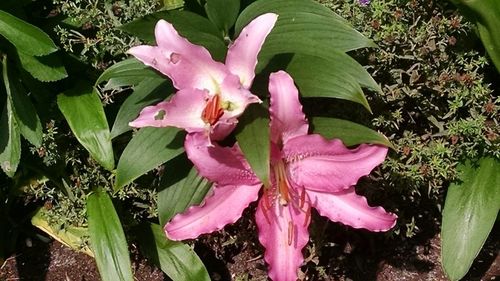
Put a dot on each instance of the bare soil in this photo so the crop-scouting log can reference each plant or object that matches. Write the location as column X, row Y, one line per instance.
column 234, row 254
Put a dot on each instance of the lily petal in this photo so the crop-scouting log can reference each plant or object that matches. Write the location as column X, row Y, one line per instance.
column 351, row 209
column 327, row 165
column 287, row 118
column 241, row 57
column 222, row 165
column 183, row 110
column 186, row 64
column 235, row 98
column 223, row 207
column 283, row 233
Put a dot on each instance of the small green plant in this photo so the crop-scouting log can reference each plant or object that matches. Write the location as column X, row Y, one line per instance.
column 437, row 105
column 91, row 28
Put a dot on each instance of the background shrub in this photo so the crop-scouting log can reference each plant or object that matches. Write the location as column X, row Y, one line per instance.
column 437, row 104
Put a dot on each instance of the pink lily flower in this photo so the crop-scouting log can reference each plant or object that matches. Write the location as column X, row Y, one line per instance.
column 307, row 171
column 211, row 94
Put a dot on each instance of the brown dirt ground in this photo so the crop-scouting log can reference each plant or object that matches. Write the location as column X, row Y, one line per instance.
column 234, row 254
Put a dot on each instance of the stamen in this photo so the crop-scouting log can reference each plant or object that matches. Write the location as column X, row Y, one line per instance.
column 290, row 233
column 267, row 206
column 308, row 216
column 265, row 209
column 282, row 182
column 213, row 110
column 302, row 198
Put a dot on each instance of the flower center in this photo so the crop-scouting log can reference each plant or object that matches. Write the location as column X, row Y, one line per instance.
column 213, row 110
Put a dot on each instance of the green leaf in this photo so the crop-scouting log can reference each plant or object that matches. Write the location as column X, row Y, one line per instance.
column 172, row 4
column 197, row 29
column 83, row 110
column 486, row 14
column 223, row 13
column 24, row 36
column 23, row 110
column 70, row 236
column 253, row 138
column 46, row 69
column 319, row 77
column 180, row 188
column 470, row 210
column 177, row 260
column 107, row 238
column 10, row 142
column 148, row 91
column 10, row 139
column 127, row 72
column 349, row 132
column 302, row 24
column 148, row 149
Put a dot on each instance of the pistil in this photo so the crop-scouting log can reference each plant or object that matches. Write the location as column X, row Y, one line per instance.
column 213, row 110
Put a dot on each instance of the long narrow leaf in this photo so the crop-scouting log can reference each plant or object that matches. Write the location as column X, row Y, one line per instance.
column 10, row 139
column 22, row 108
column 26, row 37
column 470, row 210
column 253, row 139
column 148, row 149
column 46, row 69
column 107, row 238
column 83, row 110
column 125, row 73
column 319, row 77
column 10, row 142
column 176, row 259
column 148, row 91
column 349, row 132
column 180, row 188
column 301, row 20
column 195, row 28
column 223, row 13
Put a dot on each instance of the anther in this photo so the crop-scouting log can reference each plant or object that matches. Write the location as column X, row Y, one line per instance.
column 290, row 233
column 308, row 216
column 212, row 111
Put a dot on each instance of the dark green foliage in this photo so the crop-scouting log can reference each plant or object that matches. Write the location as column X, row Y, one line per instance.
column 437, row 106
column 90, row 29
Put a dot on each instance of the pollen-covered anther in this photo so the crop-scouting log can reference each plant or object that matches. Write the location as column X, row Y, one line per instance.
column 213, row 110
column 290, row 233
column 308, row 216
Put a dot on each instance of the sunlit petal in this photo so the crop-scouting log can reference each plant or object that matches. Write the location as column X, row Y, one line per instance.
column 183, row 110
column 222, row 165
column 351, row 209
column 223, row 207
column 186, row 64
column 283, row 233
column 287, row 118
column 327, row 165
column 241, row 57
